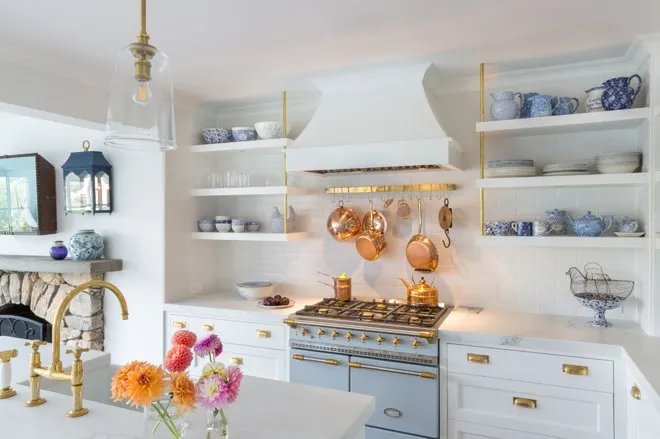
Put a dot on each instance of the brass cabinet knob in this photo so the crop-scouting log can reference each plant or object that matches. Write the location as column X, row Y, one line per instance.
column 574, row 369
column 320, row 332
column 334, row 334
column 179, row 325
column 348, row 336
column 395, row 341
column 635, row 392
column 304, row 331
column 524, row 403
column 415, row 343
column 364, row 337
column 379, row 339
column 263, row 333
column 206, row 328
column 236, row 360
column 478, row 358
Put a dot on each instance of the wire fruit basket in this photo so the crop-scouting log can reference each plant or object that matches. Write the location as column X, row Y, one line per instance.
column 596, row 290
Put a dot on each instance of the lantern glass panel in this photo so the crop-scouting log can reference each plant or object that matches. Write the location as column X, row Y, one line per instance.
column 78, row 193
column 102, row 187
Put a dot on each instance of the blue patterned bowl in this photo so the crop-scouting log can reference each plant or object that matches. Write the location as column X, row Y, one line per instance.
column 216, row 135
column 242, row 134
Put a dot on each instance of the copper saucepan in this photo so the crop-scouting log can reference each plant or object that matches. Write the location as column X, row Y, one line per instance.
column 343, row 223
column 371, row 243
column 421, row 253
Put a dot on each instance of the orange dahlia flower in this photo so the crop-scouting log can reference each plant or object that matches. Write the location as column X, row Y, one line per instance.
column 182, row 390
column 145, row 383
column 120, row 380
column 178, row 358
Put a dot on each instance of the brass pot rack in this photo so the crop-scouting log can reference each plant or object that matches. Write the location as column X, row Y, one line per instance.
column 405, row 188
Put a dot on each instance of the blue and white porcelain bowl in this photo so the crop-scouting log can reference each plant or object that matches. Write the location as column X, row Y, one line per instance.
column 242, row 134
column 86, row 245
column 206, row 225
column 216, row 135
column 270, row 130
column 255, row 290
column 223, row 227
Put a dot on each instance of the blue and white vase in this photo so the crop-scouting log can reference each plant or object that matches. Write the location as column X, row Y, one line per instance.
column 86, row 245
column 58, row 251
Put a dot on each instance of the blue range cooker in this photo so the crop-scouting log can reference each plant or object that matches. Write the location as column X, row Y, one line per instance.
column 383, row 348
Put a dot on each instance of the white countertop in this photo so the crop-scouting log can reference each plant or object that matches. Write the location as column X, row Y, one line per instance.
column 233, row 306
column 264, row 409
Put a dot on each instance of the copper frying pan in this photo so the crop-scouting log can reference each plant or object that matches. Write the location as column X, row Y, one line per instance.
column 371, row 242
column 421, row 253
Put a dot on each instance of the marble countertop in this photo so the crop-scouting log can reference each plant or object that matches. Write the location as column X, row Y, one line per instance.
column 233, row 306
column 264, row 409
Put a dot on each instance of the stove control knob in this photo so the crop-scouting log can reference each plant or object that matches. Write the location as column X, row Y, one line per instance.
column 348, row 336
column 395, row 341
column 364, row 337
column 304, row 331
column 379, row 339
column 320, row 332
column 415, row 343
column 334, row 334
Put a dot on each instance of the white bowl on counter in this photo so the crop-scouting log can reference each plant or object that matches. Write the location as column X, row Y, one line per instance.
column 255, row 290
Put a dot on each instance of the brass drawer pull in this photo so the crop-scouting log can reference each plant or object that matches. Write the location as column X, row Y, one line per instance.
column 427, row 375
column 524, row 402
column 328, row 361
column 206, row 328
column 574, row 369
column 478, row 358
column 236, row 360
column 264, row 333
column 179, row 324
column 635, row 392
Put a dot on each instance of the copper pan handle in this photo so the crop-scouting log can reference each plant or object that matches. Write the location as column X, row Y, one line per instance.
column 331, row 286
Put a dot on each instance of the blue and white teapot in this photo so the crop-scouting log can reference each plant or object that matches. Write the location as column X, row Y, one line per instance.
column 619, row 93
column 590, row 225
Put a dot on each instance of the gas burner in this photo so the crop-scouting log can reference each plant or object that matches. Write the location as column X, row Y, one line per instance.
column 367, row 314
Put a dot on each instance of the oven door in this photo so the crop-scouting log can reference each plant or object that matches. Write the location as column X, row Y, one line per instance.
column 406, row 395
column 319, row 369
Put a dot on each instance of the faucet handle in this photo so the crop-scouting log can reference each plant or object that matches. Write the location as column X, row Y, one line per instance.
column 77, row 352
column 5, row 356
column 36, row 344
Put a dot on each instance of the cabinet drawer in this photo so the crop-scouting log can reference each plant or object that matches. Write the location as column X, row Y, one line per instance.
column 377, row 433
column 466, row 430
column 532, row 408
column 319, row 369
column 556, row 370
column 257, row 362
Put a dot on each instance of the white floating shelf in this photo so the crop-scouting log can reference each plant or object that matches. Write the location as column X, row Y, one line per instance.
column 243, row 146
column 570, row 123
column 562, row 241
column 564, row 180
column 256, row 236
column 265, row 190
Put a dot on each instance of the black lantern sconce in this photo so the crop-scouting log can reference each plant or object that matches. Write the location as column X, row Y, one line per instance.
column 87, row 182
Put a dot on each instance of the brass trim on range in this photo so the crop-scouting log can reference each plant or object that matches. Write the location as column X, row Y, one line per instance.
column 405, row 188
column 289, row 321
column 328, row 361
column 482, row 141
column 427, row 375
column 524, row 402
column 428, row 335
column 575, row 369
column 236, row 360
column 636, row 392
column 264, row 333
column 206, row 327
column 478, row 358
column 179, row 324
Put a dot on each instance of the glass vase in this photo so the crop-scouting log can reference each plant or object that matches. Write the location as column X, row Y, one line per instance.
column 155, row 427
column 216, row 425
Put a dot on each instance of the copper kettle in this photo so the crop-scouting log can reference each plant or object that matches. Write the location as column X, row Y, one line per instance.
column 421, row 294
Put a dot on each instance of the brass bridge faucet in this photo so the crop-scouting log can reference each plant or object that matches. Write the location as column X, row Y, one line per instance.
column 55, row 371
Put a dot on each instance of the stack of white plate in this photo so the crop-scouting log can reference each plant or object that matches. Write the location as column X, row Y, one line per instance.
column 510, row 168
column 566, row 169
column 614, row 163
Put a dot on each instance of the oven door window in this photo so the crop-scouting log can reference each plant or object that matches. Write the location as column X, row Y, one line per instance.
column 319, row 369
column 406, row 394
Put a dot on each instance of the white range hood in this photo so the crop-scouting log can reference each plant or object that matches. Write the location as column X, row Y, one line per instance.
column 376, row 120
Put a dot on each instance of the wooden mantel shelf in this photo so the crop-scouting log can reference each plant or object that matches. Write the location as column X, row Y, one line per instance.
column 45, row 264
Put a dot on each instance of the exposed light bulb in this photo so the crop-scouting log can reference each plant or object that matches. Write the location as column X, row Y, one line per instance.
column 142, row 94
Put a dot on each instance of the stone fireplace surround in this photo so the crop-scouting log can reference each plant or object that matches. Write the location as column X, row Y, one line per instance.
column 41, row 283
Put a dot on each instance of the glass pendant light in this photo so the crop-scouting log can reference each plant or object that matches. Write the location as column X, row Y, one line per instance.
column 141, row 107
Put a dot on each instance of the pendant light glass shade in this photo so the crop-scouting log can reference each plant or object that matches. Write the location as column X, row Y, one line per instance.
column 141, row 113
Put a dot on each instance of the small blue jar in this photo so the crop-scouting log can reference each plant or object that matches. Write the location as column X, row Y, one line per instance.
column 58, row 251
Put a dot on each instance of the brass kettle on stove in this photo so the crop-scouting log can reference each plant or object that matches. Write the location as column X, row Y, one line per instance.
column 421, row 294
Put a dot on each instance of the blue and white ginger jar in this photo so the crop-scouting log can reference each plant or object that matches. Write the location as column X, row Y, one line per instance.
column 86, row 245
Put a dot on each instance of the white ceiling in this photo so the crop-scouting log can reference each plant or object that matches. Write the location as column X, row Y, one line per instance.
column 229, row 49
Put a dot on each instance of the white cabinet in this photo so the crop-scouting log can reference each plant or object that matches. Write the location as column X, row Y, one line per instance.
column 466, row 430
column 642, row 415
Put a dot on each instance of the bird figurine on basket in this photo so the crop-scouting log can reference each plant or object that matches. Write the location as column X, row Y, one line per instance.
column 596, row 290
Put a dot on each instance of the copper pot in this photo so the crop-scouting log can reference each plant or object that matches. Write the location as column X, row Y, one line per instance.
column 341, row 286
column 371, row 242
column 343, row 223
column 421, row 253
column 421, row 294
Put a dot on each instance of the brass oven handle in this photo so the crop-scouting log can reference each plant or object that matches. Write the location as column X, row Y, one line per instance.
column 574, row 369
column 263, row 333
column 478, row 358
column 524, row 402
column 357, row 365
column 236, row 360
column 179, row 324
column 328, row 361
column 635, row 392
column 206, row 327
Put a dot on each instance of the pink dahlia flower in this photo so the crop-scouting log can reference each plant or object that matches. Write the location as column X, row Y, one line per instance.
column 178, row 358
column 209, row 345
column 185, row 338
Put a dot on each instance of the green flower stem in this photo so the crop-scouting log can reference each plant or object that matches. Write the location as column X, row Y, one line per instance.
column 166, row 418
column 224, row 422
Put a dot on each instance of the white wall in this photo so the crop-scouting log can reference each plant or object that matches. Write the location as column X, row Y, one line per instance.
column 133, row 232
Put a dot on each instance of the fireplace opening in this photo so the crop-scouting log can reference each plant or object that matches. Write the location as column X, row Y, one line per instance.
column 20, row 322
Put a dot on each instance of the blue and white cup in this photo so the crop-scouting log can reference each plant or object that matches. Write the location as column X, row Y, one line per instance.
column 541, row 106
column 497, row 228
column 541, row 228
column 522, row 228
column 564, row 105
column 526, row 98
